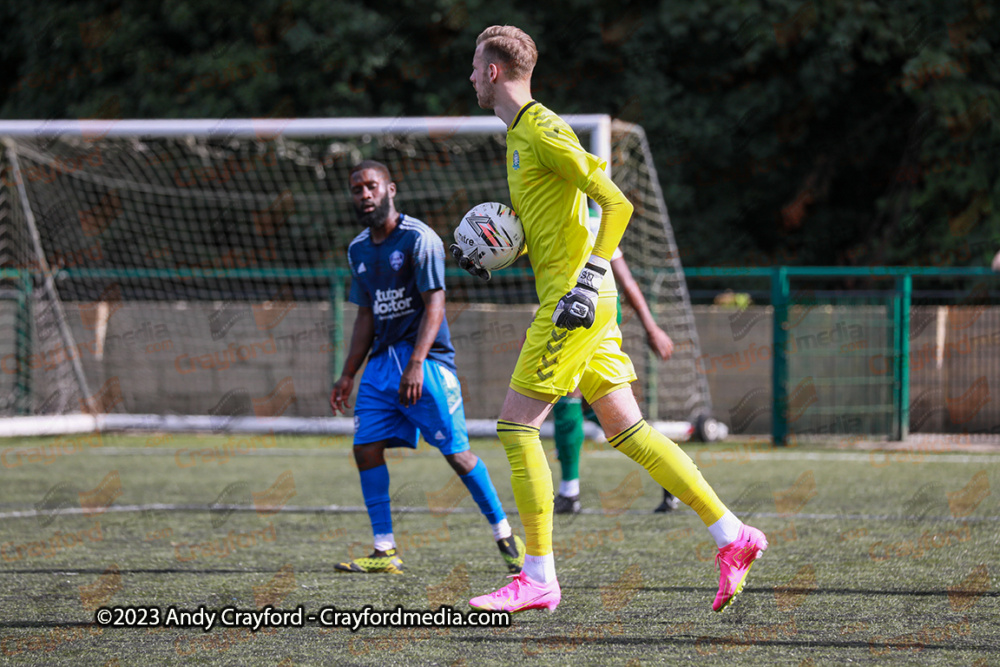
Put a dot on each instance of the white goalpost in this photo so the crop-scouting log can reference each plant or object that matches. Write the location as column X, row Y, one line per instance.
column 190, row 275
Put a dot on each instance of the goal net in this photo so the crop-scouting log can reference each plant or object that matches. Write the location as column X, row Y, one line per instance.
column 193, row 274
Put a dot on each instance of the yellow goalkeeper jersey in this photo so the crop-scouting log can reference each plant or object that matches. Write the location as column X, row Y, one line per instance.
column 547, row 172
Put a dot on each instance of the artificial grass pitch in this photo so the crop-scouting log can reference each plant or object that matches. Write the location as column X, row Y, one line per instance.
column 874, row 557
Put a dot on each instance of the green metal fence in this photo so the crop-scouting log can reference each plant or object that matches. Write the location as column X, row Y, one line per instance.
column 882, row 299
column 16, row 286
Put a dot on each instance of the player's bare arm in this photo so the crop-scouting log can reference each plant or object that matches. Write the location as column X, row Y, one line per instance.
column 412, row 382
column 361, row 343
column 657, row 338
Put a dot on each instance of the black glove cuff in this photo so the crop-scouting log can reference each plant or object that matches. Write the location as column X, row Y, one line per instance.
column 590, row 277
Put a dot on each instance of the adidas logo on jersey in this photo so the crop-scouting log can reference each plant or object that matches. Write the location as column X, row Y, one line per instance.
column 361, row 268
column 439, row 436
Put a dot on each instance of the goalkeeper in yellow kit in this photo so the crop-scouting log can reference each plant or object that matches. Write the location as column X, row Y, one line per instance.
column 574, row 339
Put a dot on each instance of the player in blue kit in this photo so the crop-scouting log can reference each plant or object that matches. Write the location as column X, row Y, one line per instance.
column 409, row 384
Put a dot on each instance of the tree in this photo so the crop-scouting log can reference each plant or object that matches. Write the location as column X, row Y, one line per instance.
column 839, row 132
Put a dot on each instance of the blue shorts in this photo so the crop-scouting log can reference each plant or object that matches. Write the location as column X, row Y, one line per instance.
column 439, row 414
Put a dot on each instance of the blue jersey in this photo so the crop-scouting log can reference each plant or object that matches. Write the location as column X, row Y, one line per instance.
column 388, row 277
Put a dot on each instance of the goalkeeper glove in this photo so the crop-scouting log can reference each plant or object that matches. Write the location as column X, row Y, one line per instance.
column 468, row 264
column 577, row 309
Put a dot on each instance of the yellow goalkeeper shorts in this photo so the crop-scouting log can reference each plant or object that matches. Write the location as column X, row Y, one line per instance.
column 554, row 361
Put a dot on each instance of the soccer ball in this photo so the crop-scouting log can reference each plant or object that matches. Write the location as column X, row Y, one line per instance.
column 491, row 236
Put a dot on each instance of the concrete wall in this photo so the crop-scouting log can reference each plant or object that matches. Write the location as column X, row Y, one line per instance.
column 230, row 359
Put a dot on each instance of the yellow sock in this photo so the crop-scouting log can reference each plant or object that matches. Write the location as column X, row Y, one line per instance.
column 671, row 468
column 532, row 482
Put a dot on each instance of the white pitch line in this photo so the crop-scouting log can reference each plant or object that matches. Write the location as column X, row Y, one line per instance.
column 902, row 456
column 231, row 453
column 716, row 456
column 721, row 456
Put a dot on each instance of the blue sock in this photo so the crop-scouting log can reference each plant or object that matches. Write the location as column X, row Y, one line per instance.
column 375, row 489
column 478, row 482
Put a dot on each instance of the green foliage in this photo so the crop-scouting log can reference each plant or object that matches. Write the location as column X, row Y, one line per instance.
column 853, row 132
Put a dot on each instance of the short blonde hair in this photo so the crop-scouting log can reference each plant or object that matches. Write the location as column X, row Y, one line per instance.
column 512, row 48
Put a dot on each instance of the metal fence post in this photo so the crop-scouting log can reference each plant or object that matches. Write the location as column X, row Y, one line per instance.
column 901, row 357
column 337, row 333
column 23, row 345
column 652, row 395
column 779, row 361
